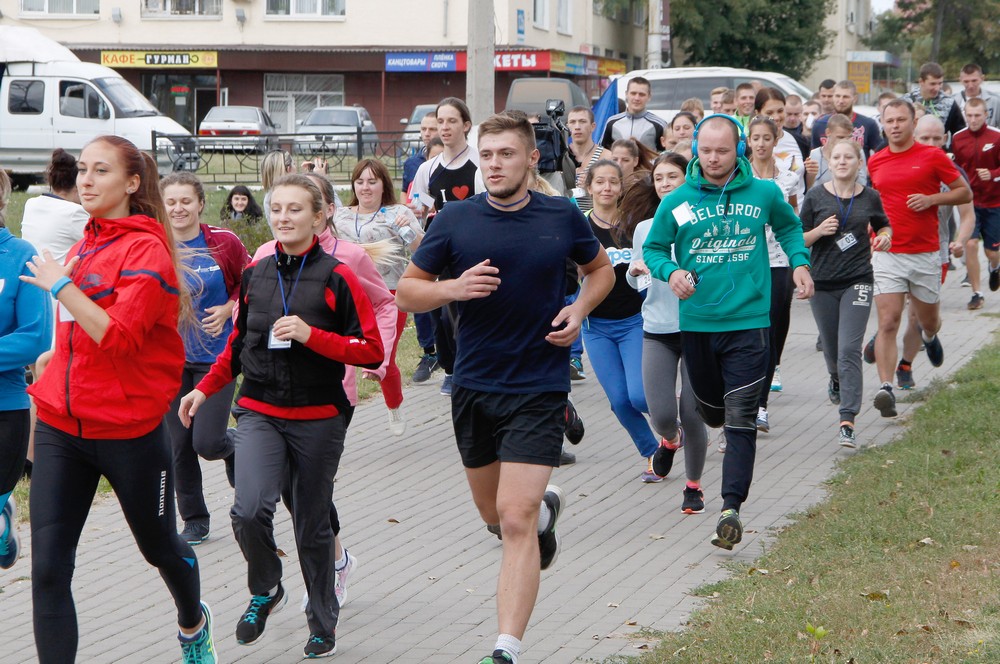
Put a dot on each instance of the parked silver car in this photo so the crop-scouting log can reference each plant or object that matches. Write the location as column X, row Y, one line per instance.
column 334, row 130
column 237, row 128
column 411, row 134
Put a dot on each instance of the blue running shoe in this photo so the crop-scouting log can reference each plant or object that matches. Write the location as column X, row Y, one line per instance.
column 201, row 649
column 10, row 546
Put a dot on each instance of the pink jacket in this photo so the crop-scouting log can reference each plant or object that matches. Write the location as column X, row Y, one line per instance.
column 383, row 302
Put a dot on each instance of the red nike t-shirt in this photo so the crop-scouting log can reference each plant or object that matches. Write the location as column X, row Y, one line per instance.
column 921, row 169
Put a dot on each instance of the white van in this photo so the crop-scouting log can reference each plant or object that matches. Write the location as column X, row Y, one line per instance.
column 671, row 87
column 49, row 99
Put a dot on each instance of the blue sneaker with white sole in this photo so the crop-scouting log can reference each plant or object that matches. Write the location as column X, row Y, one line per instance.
column 10, row 545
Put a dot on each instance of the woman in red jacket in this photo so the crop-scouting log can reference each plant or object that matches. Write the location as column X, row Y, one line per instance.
column 103, row 394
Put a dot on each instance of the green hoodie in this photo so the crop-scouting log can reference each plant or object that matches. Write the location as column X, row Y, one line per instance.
column 718, row 233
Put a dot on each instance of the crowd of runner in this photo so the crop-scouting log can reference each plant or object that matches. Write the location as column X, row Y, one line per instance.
column 668, row 254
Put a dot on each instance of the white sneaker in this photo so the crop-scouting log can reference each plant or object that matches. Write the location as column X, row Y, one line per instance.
column 397, row 425
column 340, row 583
column 722, row 440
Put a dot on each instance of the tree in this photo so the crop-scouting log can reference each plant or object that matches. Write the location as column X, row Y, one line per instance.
column 951, row 32
column 787, row 36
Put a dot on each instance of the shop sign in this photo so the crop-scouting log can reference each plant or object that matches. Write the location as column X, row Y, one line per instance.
column 160, row 59
column 860, row 73
column 421, row 62
column 567, row 63
column 609, row 67
column 521, row 61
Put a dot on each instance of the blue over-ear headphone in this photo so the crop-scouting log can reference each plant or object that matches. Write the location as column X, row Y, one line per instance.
column 741, row 144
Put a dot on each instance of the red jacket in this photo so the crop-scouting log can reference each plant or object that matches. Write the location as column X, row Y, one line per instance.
column 975, row 150
column 122, row 387
column 228, row 251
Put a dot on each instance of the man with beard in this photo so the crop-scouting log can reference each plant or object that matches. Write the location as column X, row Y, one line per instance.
column 511, row 370
column 866, row 129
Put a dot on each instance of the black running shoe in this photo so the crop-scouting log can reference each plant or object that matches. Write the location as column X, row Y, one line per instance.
column 548, row 541
column 976, row 302
column 885, row 401
column 566, row 458
column 574, row 424
column 495, row 530
column 427, row 365
column 663, row 457
column 729, row 530
column 498, row 657
column 694, row 501
column 869, row 352
column 195, row 532
column 904, row 378
column 935, row 353
column 230, row 462
column 833, row 391
column 994, row 279
column 320, row 646
column 252, row 623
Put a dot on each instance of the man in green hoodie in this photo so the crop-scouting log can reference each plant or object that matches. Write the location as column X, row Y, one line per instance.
column 714, row 224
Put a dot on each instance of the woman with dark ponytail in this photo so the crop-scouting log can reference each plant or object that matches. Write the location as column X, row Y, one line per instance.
column 103, row 392
column 55, row 220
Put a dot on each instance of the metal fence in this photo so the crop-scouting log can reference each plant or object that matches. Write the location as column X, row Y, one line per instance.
column 237, row 160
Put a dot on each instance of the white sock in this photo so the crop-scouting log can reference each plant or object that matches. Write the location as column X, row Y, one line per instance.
column 927, row 339
column 341, row 562
column 273, row 591
column 510, row 645
column 761, row 411
column 544, row 517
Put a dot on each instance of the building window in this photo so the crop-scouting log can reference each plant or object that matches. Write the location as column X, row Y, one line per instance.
column 540, row 14
column 26, row 97
column 636, row 62
column 289, row 98
column 181, row 8
column 609, row 53
column 598, row 8
column 86, row 7
column 564, row 20
column 639, row 12
column 306, row 8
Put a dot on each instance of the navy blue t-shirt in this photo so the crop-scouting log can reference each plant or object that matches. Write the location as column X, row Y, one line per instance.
column 501, row 338
column 208, row 289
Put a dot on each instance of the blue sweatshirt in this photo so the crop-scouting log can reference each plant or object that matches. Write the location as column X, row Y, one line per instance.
column 26, row 324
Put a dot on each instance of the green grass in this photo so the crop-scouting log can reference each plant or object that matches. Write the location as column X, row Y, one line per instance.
column 856, row 579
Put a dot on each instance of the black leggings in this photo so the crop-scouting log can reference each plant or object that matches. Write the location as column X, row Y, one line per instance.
column 781, row 315
column 64, row 481
column 14, row 426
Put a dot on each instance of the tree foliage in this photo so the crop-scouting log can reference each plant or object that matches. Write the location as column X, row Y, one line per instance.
column 786, row 36
column 970, row 32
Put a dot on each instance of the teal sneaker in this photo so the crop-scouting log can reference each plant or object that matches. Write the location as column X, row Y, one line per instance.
column 498, row 657
column 729, row 530
column 201, row 649
column 10, row 545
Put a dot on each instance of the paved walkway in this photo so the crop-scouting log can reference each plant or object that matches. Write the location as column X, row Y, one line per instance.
column 424, row 591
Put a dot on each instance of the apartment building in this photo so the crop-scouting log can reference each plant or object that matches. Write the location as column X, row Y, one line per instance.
column 290, row 56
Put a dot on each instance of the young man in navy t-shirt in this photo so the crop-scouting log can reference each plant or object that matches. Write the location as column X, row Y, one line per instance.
column 509, row 249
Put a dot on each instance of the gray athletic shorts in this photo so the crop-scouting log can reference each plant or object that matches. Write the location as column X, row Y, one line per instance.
column 916, row 274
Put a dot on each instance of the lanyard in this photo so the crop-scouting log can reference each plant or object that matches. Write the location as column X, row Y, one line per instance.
column 432, row 180
column 281, row 284
column 843, row 215
column 357, row 229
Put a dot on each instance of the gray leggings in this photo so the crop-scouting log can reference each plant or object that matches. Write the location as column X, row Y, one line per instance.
column 661, row 359
column 842, row 316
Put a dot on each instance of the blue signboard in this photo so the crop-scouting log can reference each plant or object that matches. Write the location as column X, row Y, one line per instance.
column 520, row 26
column 421, row 62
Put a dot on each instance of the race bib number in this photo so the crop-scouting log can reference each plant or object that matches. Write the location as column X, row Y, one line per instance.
column 847, row 241
column 275, row 343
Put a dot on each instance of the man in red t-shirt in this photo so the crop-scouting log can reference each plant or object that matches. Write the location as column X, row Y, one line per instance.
column 977, row 150
column 908, row 176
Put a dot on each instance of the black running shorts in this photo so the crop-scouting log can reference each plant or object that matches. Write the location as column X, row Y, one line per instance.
column 518, row 428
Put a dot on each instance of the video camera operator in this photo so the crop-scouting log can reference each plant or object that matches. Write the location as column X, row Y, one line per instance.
column 555, row 164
